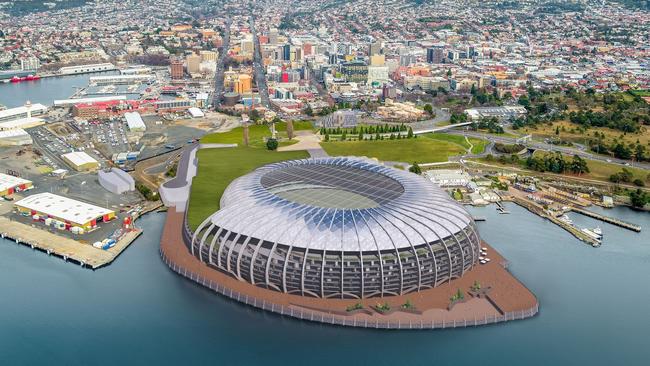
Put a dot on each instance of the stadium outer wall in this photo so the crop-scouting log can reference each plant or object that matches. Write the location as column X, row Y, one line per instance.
column 174, row 253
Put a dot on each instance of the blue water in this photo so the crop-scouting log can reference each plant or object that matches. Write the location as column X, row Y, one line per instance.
column 594, row 310
column 44, row 91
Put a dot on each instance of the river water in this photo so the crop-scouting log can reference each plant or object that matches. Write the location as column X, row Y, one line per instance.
column 593, row 309
column 44, row 91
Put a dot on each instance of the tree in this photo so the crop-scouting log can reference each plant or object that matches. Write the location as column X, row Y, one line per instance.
column 429, row 109
column 290, row 129
column 639, row 198
column 327, row 137
column 255, row 115
column 410, row 133
column 272, row 144
column 415, row 168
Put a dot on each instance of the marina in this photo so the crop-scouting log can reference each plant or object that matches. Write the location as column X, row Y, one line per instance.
column 607, row 219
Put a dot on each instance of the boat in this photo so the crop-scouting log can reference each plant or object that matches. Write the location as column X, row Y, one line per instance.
column 596, row 233
column 597, row 230
column 30, row 77
column 565, row 218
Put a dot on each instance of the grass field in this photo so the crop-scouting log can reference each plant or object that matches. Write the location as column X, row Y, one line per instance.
column 598, row 170
column 421, row 149
column 218, row 168
column 570, row 132
column 256, row 134
column 602, row 170
column 478, row 144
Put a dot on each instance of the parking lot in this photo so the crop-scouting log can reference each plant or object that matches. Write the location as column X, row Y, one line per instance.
column 108, row 137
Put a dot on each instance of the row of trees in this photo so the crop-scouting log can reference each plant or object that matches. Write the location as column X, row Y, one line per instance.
column 556, row 163
column 370, row 137
column 508, row 148
column 619, row 149
column 365, row 129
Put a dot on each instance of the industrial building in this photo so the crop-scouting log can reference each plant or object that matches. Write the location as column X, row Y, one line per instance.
column 62, row 212
column 134, row 122
column 502, row 113
column 10, row 184
column 22, row 117
column 448, row 177
column 196, row 112
column 80, row 161
column 116, row 180
column 15, row 137
column 337, row 228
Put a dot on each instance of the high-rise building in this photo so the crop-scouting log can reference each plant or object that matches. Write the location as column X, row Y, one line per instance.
column 286, row 52
column 193, row 63
column 377, row 60
column 273, row 36
column 176, row 68
column 374, row 49
column 435, row 55
column 29, row 63
column 243, row 84
column 356, row 71
column 307, row 49
column 208, row 56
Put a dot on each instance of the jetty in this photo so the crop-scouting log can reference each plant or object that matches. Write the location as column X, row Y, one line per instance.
column 68, row 249
column 540, row 211
column 607, row 219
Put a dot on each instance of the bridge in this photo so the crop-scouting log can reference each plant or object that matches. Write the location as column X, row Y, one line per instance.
column 441, row 128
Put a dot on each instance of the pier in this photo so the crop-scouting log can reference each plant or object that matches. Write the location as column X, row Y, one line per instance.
column 538, row 210
column 68, row 249
column 607, row 219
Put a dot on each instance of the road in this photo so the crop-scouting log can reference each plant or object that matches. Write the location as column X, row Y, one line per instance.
column 260, row 75
column 219, row 74
column 549, row 147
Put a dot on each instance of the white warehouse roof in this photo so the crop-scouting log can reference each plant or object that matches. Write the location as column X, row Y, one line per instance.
column 195, row 112
column 79, row 158
column 134, row 121
column 9, row 181
column 35, row 108
column 63, row 207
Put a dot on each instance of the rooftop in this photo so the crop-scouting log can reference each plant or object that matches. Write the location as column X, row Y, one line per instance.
column 63, row 208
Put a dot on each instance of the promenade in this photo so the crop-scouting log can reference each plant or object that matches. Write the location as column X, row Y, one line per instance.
column 506, row 300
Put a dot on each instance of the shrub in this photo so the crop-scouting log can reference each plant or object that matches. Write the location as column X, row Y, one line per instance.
column 272, row 144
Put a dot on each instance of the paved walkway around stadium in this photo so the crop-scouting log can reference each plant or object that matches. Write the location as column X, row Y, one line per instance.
column 507, row 299
column 309, row 141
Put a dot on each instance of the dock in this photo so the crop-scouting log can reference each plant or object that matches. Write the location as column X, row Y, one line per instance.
column 68, row 249
column 538, row 210
column 607, row 219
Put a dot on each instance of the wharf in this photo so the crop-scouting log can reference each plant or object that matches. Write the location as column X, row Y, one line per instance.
column 538, row 210
column 607, row 219
column 70, row 250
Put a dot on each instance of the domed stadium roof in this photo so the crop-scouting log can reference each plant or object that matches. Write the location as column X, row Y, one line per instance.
column 339, row 204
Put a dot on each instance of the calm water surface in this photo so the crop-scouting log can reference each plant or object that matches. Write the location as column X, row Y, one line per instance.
column 594, row 310
column 44, row 91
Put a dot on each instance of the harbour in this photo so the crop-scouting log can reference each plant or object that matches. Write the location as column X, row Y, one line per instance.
column 134, row 298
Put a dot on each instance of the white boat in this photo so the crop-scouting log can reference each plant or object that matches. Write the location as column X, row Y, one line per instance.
column 598, row 236
column 597, row 230
column 564, row 218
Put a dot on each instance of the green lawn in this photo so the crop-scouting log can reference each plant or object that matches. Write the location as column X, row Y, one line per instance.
column 421, row 149
column 218, row 167
column 256, row 134
column 478, row 144
column 598, row 170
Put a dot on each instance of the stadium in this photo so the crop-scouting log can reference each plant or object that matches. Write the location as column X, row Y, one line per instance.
column 337, row 228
